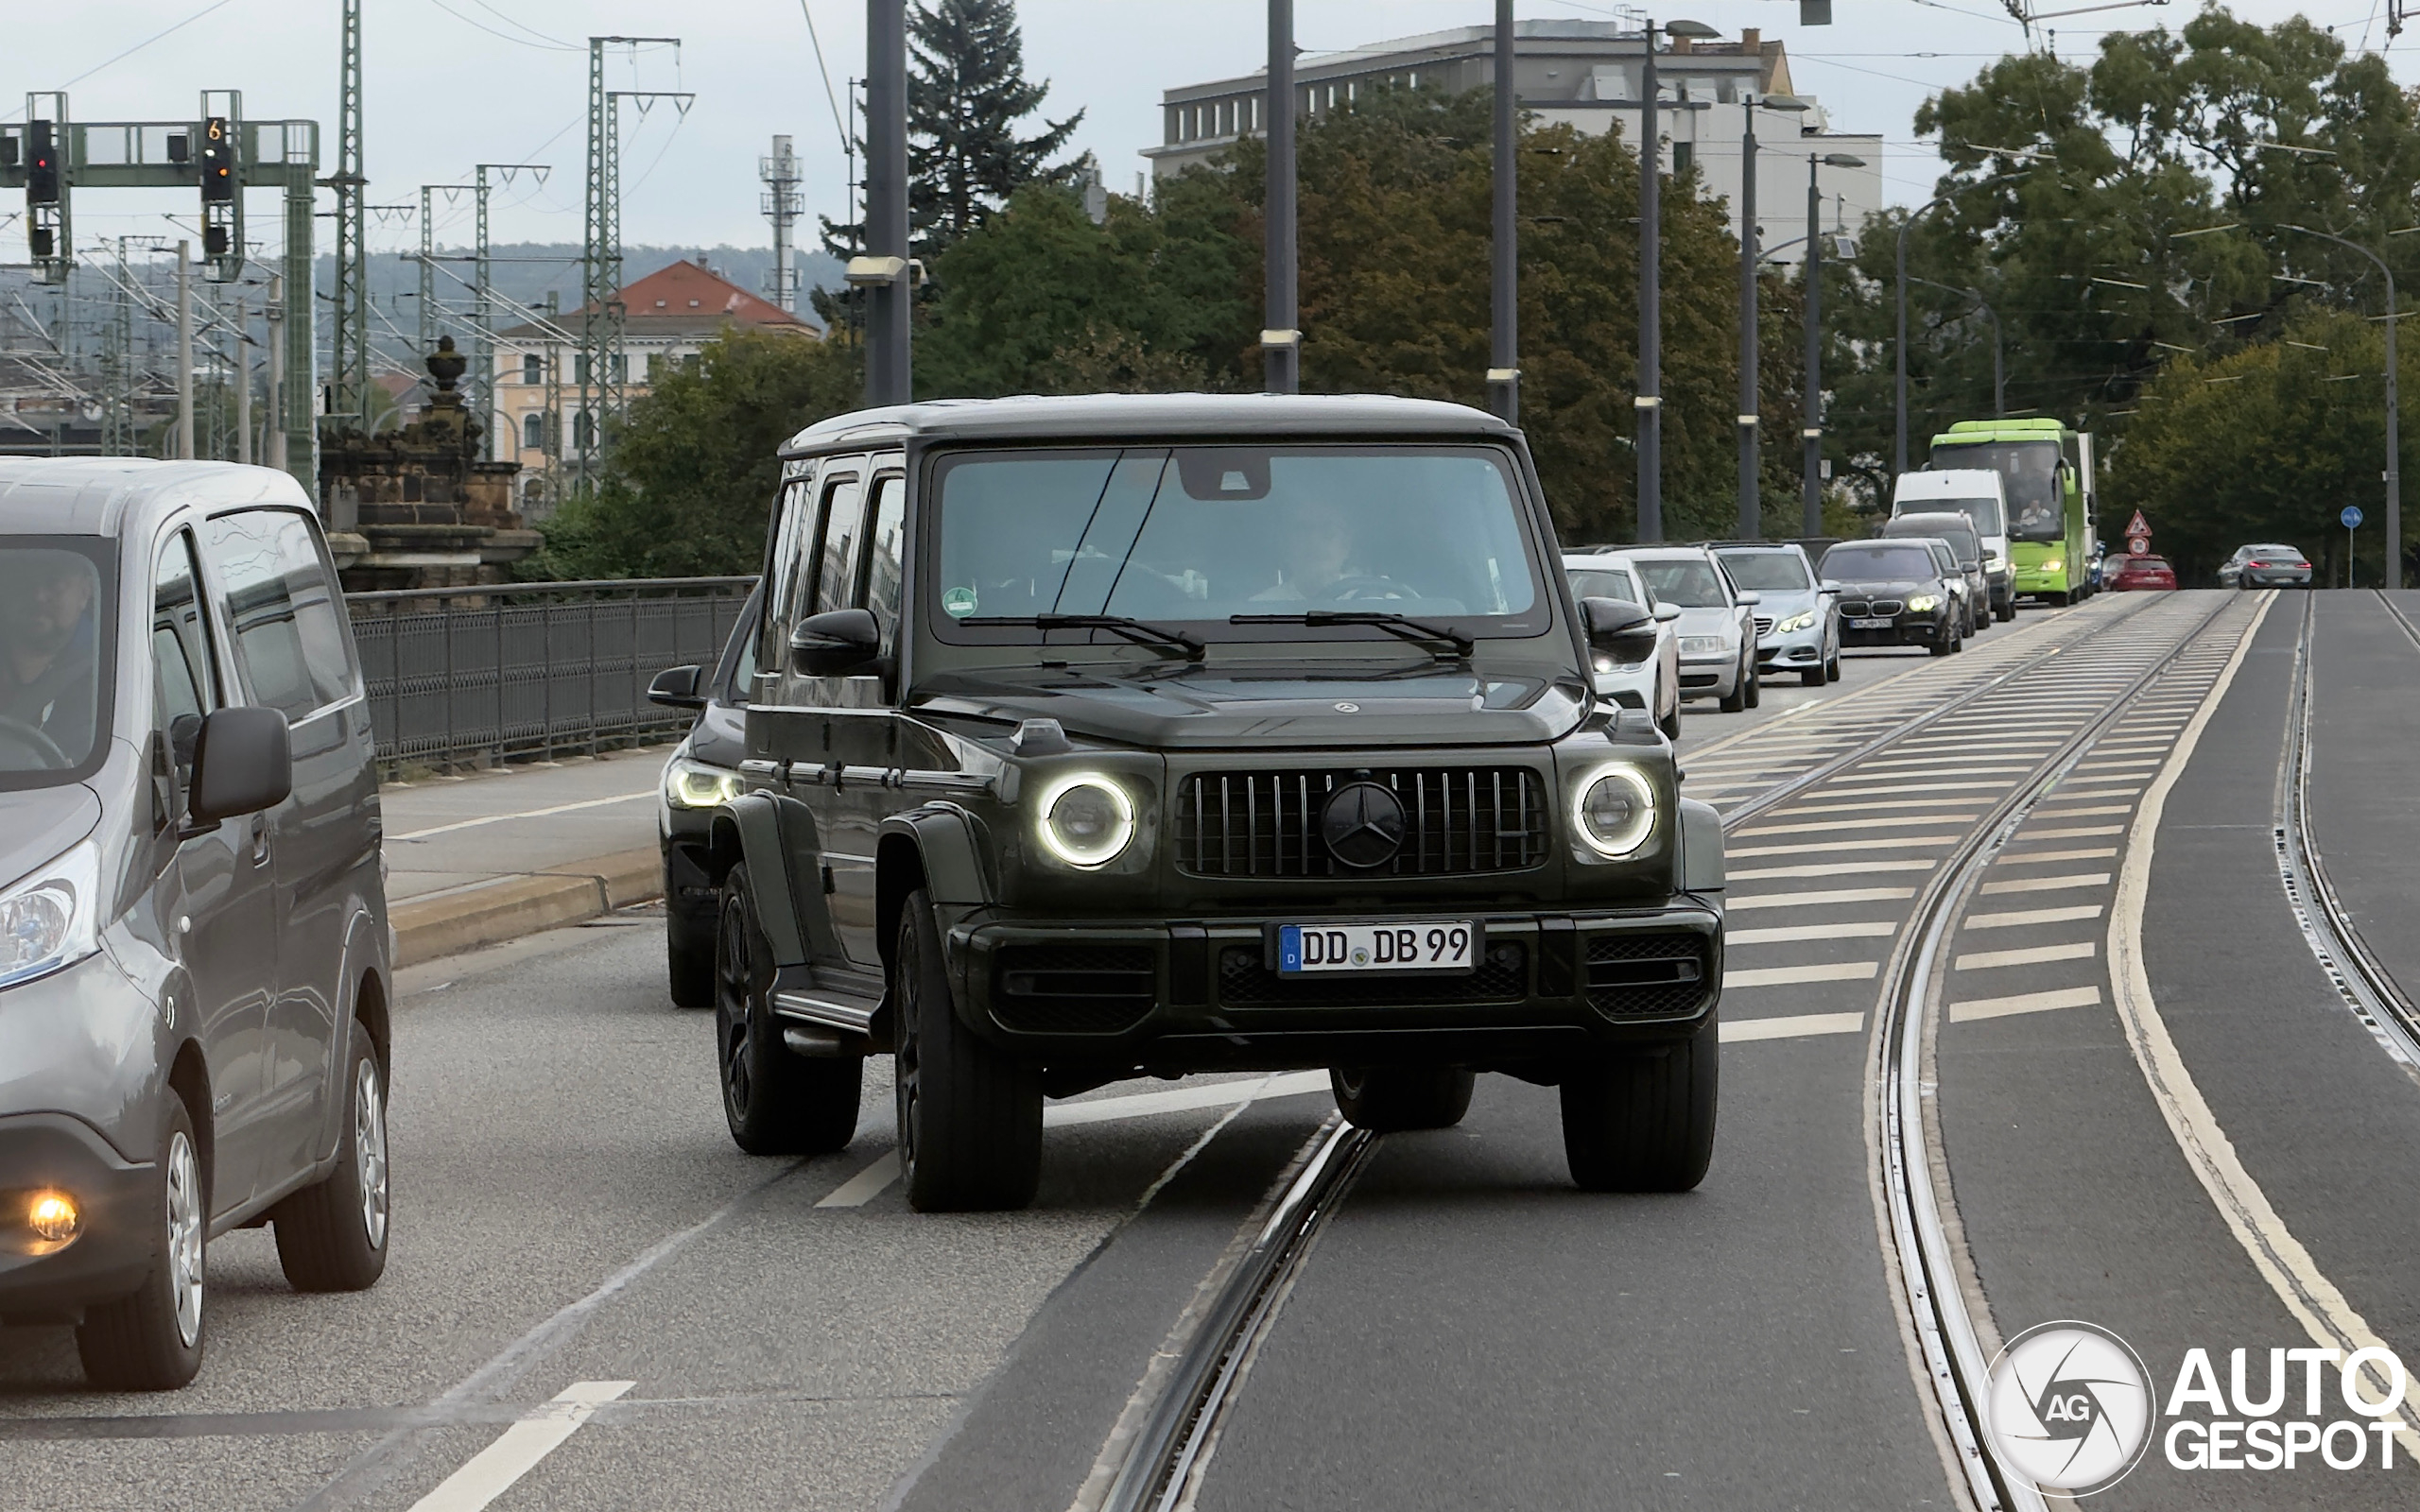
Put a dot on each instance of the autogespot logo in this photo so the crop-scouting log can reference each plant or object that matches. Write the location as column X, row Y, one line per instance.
column 2069, row 1407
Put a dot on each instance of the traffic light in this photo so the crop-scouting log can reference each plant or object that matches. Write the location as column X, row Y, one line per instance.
column 42, row 164
column 217, row 161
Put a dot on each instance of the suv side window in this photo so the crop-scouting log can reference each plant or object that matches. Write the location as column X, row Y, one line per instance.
column 796, row 519
column 185, row 679
column 885, row 548
column 282, row 603
column 836, row 572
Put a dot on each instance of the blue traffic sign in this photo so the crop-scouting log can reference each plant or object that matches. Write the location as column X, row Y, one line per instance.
column 2352, row 517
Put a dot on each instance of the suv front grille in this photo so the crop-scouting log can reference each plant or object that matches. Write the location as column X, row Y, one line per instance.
column 1647, row 976
column 1073, row 988
column 1245, row 980
column 1458, row 821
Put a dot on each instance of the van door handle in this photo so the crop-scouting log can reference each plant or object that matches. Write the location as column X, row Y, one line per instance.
column 260, row 840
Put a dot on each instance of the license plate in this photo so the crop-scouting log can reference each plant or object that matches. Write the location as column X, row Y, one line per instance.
column 1412, row 945
column 1869, row 625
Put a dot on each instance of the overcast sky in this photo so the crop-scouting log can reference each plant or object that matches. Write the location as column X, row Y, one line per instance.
column 449, row 83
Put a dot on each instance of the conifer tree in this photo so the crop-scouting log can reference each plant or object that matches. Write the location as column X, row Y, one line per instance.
column 967, row 97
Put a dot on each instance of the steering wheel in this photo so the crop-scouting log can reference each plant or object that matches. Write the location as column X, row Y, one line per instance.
column 1366, row 585
column 33, row 739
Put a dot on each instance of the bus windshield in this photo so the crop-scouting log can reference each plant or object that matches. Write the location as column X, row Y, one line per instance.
column 2028, row 475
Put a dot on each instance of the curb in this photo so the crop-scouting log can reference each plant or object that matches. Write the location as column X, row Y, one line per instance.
column 490, row 913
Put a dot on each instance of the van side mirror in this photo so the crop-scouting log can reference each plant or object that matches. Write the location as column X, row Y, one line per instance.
column 834, row 643
column 1618, row 628
column 677, row 688
column 243, row 761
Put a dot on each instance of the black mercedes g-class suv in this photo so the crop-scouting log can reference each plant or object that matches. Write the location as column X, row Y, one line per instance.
column 1145, row 736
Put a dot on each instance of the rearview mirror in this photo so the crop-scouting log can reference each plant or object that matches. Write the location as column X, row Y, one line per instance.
column 243, row 761
column 1750, row 597
column 677, row 688
column 1618, row 628
column 834, row 643
column 1667, row 614
column 1831, row 585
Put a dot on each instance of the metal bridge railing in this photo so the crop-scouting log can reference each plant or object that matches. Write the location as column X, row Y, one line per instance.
column 475, row 675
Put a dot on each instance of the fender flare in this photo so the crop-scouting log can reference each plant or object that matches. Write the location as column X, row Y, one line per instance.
column 1702, row 859
column 749, row 828
column 935, row 847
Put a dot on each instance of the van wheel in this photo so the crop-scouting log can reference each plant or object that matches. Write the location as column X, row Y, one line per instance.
column 970, row 1119
column 1643, row 1120
column 331, row 1236
column 151, row 1339
column 776, row 1101
column 1387, row 1099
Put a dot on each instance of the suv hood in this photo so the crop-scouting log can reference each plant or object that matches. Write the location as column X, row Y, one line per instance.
column 39, row 824
column 1449, row 706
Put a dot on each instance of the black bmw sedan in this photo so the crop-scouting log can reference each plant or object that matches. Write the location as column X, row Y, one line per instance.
column 1892, row 594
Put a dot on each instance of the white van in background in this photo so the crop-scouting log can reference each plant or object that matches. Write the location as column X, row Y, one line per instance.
column 1976, row 493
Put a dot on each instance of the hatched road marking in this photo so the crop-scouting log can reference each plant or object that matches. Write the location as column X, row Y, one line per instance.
column 491, row 1472
column 2030, row 956
column 1792, row 1027
column 1791, row 975
column 1862, row 929
column 2022, row 917
column 2073, row 879
column 1816, row 899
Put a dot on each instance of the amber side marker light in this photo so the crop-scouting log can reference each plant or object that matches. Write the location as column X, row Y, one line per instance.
column 53, row 1217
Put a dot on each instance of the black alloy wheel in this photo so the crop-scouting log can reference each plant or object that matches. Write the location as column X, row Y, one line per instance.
column 776, row 1101
column 970, row 1119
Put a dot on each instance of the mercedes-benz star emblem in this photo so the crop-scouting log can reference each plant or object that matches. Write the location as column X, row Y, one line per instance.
column 1362, row 825
column 1348, row 708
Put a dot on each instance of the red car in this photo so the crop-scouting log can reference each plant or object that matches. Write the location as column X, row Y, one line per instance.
column 2142, row 573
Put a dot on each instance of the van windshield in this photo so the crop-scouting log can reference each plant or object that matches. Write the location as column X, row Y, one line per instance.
column 1984, row 512
column 55, row 619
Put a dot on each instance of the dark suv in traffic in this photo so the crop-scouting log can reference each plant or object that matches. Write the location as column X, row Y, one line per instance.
column 193, row 943
column 1127, row 735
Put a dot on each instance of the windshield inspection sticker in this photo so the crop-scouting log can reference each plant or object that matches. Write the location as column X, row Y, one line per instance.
column 957, row 603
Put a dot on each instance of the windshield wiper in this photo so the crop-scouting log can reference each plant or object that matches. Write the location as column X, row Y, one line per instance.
column 1140, row 632
column 1395, row 625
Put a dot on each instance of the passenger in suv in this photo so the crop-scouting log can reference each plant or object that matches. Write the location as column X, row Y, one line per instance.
column 1081, row 751
column 193, row 923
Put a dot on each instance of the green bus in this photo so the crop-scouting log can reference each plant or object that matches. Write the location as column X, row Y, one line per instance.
column 2045, row 469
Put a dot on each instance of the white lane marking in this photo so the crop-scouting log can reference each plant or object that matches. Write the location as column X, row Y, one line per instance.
column 2034, row 858
column 1860, row 929
column 2017, row 919
column 2078, row 832
column 1791, row 975
column 879, row 1173
column 1735, row 1030
column 866, row 1185
column 1893, row 804
column 2128, row 764
column 1977, row 767
column 2072, row 879
column 2071, row 997
column 1832, row 868
column 1863, row 791
column 2089, row 811
column 2030, row 956
column 2325, row 1313
column 491, row 1472
column 1814, row 900
column 1892, row 844
column 525, row 813
column 1832, row 825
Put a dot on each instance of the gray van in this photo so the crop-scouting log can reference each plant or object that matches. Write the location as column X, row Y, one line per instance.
column 194, row 946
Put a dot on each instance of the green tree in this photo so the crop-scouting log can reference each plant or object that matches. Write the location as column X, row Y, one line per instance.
column 693, row 471
column 967, row 97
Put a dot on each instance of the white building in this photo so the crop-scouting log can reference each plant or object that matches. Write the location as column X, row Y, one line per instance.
column 1587, row 73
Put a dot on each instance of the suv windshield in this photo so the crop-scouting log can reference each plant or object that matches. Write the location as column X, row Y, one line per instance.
column 55, row 620
column 1880, row 563
column 1766, row 572
column 1689, row 583
column 1193, row 535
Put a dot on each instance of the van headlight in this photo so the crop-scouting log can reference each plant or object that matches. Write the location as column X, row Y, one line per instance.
column 1803, row 620
column 52, row 920
column 1613, row 811
column 694, row 784
column 1084, row 819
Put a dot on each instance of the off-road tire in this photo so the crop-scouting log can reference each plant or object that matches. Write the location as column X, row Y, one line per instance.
column 137, row 1343
column 1391, row 1099
column 970, row 1119
column 1643, row 1120
column 331, row 1236
column 776, row 1101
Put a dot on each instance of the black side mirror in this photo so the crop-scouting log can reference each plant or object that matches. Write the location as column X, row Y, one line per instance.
column 677, row 688
column 834, row 643
column 1618, row 628
column 242, row 762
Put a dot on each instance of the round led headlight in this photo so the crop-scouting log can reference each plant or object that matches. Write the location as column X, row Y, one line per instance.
column 1616, row 811
column 1925, row 602
column 1085, row 820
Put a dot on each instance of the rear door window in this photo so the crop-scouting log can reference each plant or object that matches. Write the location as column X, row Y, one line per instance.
column 836, row 570
column 285, row 612
column 885, row 549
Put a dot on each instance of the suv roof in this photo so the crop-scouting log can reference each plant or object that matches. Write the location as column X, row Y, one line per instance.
column 1253, row 417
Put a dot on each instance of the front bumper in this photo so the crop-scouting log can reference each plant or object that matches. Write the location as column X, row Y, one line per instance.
column 116, row 1241
column 1204, row 994
column 1708, row 677
column 1631, row 687
column 1799, row 649
column 1906, row 630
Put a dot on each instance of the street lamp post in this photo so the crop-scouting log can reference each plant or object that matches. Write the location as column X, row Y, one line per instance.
column 2394, row 405
column 1281, row 344
column 1504, row 372
column 1811, row 396
column 1649, row 400
column 1751, row 524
